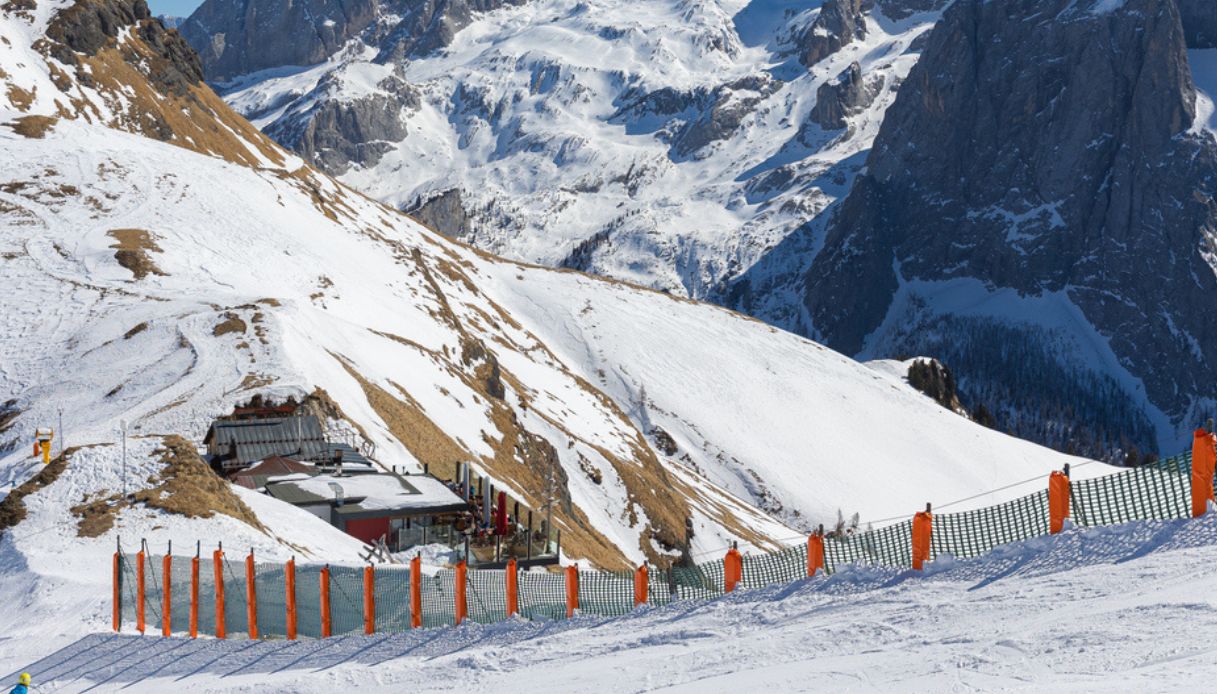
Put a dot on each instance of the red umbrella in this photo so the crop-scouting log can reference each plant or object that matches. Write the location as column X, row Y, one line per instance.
column 500, row 521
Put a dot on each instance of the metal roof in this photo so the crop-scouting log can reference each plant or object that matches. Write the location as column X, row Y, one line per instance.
column 252, row 440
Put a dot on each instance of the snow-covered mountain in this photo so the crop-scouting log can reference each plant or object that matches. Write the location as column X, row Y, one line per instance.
column 160, row 272
column 702, row 148
column 668, row 143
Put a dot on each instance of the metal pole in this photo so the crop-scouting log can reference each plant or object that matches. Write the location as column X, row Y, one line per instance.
column 62, row 442
column 123, row 424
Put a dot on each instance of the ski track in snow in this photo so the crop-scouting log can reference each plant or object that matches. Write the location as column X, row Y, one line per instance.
column 1076, row 612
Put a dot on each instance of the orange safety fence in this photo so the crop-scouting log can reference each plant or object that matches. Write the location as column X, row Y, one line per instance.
column 572, row 590
column 1058, row 501
column 289, row 598
column 461, row 606
column 923, row 523
column 416, row 593
column 512, row 577
column 1204, row 459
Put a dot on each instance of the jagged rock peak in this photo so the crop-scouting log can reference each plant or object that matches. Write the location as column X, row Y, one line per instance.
column 1044, row 147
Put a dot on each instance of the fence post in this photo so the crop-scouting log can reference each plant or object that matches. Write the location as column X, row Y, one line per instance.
column 572, row 590
column 416, row 593
column 640, row 584
column 218, row 563
column 922, row 528
column 369, row 600
column 289, row 597
column 326, row 624
column 462, row 607
column 1058, row 501
column 1204, row 459
column 194, row 596
column 139, row 583
column 733, row 570
column 513, row 588
column 815, row 552
column 167, row 598
column 251, row 596
column 118, row 605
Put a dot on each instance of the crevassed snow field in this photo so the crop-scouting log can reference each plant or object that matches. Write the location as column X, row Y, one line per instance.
column 1125, row 608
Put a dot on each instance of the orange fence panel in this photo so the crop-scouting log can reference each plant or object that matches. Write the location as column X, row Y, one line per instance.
column 327, row 626
column 1058, row 501
column 369, row 600
column 139, row 582
column 922, row 524
column 640, row 584
column 513, row 588
column 572, row 590
column 416, row 593
column 218, row 562
column 1204, row 459
column 194, row 598
column 166, row 603
column 251, row 597
column 289, row 597
column 733, row 569
column 462, row 606
column 815, row 554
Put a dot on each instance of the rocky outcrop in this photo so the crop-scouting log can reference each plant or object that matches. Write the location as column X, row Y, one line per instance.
column 236, row 37
column 445, row 213
column 845, row 96
column 691, row 120
column 429, row 25
column 1041, row 146
column 935, row 380
column 336, row 132
column 839, row 23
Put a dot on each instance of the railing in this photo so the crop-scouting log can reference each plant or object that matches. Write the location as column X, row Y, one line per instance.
column 226, row 597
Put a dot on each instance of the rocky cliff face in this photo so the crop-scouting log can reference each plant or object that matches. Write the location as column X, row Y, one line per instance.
column 1047, row 162
column 236, row 37
column 1199, row 22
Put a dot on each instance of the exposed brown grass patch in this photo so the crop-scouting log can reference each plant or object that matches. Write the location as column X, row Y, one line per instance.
column 21, row 99
column 232, row 323
column 132, row 249
column 33, row 127
column 141, row 327
column 186, row 486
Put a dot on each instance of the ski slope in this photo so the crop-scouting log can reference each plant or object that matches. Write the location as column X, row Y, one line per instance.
column 1128, row 608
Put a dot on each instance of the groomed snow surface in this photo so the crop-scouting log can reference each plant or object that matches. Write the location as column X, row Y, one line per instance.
column 1127, row 608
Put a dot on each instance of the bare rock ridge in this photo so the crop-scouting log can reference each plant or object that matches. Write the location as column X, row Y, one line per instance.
column 237, row 38
column 966, row 182
column 87, row 27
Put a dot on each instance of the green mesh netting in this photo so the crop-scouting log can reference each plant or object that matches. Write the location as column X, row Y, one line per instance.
column 308, row 600
column 486, row 595
column 392, row 593
column 346, row 600
column 542, row 595
column 439, row 599
column 604, row 593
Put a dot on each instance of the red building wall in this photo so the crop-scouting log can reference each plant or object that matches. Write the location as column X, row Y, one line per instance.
column 368, row 529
